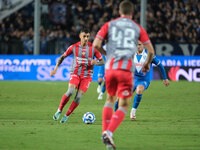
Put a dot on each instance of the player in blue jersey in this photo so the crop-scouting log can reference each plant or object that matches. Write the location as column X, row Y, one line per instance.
column 142, row 80
column 101, row 84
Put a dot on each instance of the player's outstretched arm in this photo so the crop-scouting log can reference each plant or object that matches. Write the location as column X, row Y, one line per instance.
column 60, row 60
column 157, row 62
column 146, row 66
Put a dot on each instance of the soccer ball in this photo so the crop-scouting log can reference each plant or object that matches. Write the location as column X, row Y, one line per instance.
column 88, row 118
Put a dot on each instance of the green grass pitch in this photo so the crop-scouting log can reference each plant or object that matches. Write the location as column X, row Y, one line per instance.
column 168, row 118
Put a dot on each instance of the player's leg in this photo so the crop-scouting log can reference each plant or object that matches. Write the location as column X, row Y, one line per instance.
column 111, row 87
column 100, row 82
column 106, row 119
column 67, row 96
column 107, row 111
column 83, row 86
column 73, row 84
column 136, row 102
column 119, row 115
column 100, row 97
column 124, row 92
column 100, row 78
column 116, row 104
column 114, row 122
column 64, row 100
column 138, row 96
column 73, row 106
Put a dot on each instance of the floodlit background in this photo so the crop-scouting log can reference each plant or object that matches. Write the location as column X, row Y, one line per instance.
column 173, row 27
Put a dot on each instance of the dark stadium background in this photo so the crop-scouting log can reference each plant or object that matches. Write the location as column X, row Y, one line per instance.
column 168, row 117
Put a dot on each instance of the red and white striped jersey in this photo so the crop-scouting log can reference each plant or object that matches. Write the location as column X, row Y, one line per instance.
column 122, row 35
column 82, row 57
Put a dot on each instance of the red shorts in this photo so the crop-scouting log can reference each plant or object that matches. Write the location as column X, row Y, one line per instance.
column 120, row 83
column 82, row 83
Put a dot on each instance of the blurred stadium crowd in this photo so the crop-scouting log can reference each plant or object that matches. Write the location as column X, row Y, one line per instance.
column 61, row 21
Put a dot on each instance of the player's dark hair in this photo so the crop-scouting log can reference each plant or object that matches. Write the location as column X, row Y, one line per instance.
column 84, row 30
column 126, row 7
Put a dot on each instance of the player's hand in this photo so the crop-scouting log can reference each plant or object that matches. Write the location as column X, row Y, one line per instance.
column 145, row 67
column 166, row 82
column 53, row 73
column 94, row 62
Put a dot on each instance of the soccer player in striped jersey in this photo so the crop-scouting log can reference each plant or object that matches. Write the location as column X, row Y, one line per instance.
column 81, row 72
column 122, row 35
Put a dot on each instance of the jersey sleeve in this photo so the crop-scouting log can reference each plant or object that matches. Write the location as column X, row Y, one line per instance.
column 102, row 34
column 144, row 38
column 98, row 55
column 69, row 51
column 157, row 62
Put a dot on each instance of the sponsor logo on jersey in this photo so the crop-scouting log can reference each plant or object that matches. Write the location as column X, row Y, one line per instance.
column 139, row 64
column 126, row 93
column 83, row 53
column 83, row 60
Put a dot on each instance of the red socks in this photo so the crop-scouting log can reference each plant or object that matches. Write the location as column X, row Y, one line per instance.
column 63, row 102
column 116, row 120
column 72, row 108
column 106, row 117
column 111, row 121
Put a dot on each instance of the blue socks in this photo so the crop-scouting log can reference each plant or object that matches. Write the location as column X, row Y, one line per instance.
column 116, row 105
column 99, row 83
column 137, row 100
column 104, row 88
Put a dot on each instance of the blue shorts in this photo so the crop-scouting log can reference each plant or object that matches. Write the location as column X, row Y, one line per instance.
column 141, row 82
column 101, row 71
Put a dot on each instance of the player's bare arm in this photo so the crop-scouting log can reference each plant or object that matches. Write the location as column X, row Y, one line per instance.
column 98, row 63
column 150, row 49
column 60, row 60
column 98, row 45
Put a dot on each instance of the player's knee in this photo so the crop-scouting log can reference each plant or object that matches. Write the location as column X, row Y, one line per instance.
column 124, row 104
column 70, row 91
column 100, row 80
column 139, row 90
column 78, row 98
column 123, row 109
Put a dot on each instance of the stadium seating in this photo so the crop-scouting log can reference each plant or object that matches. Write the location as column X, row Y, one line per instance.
column 61, row 21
